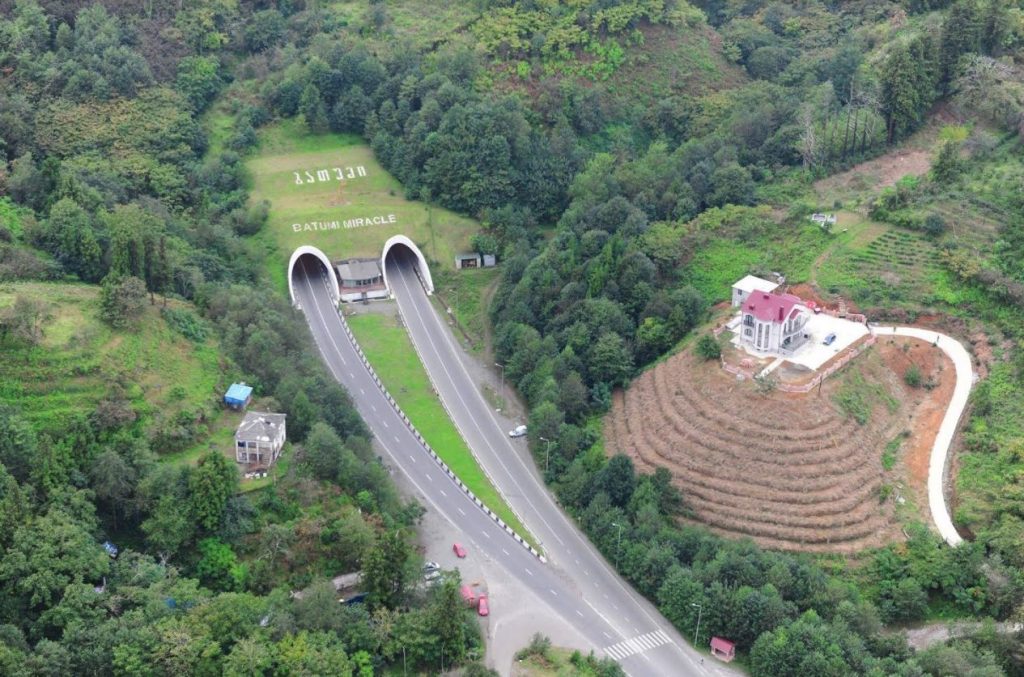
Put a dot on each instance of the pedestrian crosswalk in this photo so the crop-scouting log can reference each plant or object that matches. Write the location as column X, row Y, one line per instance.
column 637, row 644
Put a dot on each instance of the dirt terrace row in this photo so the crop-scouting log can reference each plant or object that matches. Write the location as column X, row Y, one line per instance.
column 789, row 471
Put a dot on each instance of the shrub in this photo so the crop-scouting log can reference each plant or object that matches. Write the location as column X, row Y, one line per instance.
column 934, row 225
column 708, row 348
column 912, row 376
column 185, row 323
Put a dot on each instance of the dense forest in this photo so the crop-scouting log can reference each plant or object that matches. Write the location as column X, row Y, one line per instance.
column 598, row 194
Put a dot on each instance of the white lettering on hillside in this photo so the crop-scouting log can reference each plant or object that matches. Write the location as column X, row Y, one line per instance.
column 322, row 175
column 358, row 222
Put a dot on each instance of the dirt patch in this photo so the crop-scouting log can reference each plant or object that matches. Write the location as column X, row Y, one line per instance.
column 874, row 175
column 791, row 471
column 926, row 404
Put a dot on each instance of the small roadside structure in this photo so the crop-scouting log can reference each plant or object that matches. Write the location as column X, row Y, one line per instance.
column 238, row 396
column 361, row 280
column 723, row 649
column 468, row 260
column 747, row 286
column 259, row 438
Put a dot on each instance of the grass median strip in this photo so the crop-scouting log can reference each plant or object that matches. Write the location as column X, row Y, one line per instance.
column 388, row 348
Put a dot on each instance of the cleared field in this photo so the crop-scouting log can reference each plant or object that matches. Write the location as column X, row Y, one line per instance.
column 893, row 267
column 796, row 472
column 312, row 180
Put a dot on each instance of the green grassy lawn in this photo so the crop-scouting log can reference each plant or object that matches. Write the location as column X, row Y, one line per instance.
column 391, row 352
column 80, row 359
column 466, row 292
column 278, row 170
column 789, row 250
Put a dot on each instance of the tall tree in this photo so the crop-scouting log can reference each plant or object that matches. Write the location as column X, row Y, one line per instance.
column 210, row 486
column 386, row 571
column 901, row 100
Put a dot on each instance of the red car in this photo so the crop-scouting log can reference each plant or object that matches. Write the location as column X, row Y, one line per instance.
column 482, row 608
column 459, row 551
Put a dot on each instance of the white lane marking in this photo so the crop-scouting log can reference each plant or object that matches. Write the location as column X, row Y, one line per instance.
column 553, row 592
column 579, row 613
column 352, row 376
column 431, row 478
column 442, row 493
column 487, row 534
column 430, row 323
column 411, row 457
column 374, row 408
column 362, row 392
column 397, row 440
column 385, row 424
column 506, row 552
column 464, row 514
column 606, row 634
column 527, row 571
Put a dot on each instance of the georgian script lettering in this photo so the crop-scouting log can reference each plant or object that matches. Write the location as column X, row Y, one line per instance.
column 324, row 174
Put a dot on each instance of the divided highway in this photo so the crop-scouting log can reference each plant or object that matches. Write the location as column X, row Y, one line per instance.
column 584, row 571
column 578, row 584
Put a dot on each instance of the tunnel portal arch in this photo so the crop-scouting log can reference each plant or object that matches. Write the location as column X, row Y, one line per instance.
column 309, row 249
column 428, row 281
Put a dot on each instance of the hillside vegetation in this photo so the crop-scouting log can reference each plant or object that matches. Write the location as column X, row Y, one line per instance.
column 624, row 159
column 78, row 366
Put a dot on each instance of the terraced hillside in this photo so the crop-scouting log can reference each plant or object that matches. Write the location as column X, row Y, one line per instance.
column 794, row 472
column 168, row 382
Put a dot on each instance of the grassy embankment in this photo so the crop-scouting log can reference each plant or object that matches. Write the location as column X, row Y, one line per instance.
column 286, row 148
column 389, row 349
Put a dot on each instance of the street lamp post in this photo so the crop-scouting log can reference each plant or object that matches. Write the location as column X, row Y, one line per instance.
column 618, row 544
column 696, row 632
column 547, row 454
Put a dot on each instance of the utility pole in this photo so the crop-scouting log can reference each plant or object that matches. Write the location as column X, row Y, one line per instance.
column 618, row 544
column 696, row 632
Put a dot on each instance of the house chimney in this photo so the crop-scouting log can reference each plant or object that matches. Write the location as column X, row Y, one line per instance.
column 780, row 314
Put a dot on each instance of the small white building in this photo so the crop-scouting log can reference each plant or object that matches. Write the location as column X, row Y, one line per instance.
column 749, row 284
column 361, row 280
column 773, row 323
column 259, row 438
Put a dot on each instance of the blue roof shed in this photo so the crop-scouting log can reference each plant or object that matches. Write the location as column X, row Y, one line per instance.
column 238, row 395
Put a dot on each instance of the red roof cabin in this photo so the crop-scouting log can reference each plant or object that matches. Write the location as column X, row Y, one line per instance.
column 723, row 649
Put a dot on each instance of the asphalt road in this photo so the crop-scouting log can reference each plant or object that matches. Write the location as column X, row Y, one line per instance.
column 590, row 598
column 639, row 637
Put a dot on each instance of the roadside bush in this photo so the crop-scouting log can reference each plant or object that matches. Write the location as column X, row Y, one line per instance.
column 912, row 376
column 708, row 348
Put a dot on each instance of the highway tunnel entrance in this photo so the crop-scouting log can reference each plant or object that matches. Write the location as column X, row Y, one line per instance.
column 401, row 249
column 304, row 261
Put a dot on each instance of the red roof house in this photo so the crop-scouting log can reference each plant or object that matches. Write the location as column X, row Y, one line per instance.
column 773, row 323
column 723, row 649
